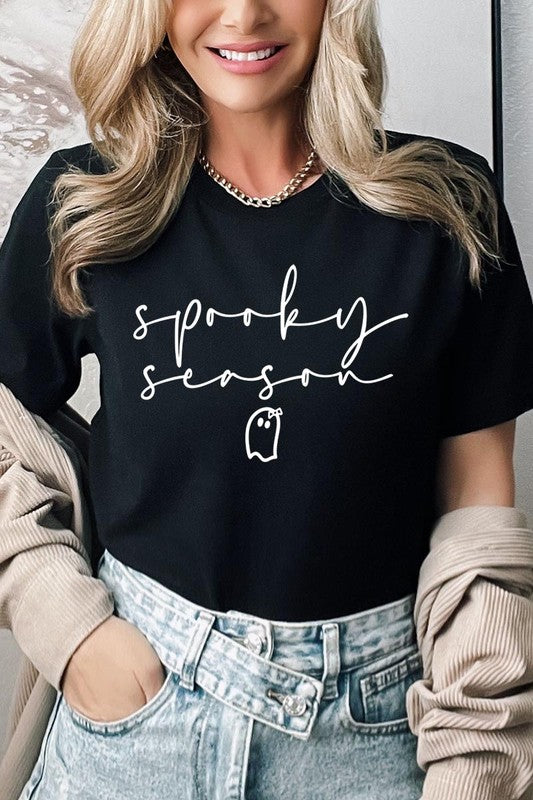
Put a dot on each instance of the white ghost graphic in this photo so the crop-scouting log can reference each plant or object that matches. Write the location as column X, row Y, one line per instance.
column 263, row 430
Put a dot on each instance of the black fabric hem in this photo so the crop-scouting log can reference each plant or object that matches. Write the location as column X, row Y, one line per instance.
column 495, row 418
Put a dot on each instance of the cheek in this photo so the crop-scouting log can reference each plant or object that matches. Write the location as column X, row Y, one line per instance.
column 185, row 24
column 304, row 16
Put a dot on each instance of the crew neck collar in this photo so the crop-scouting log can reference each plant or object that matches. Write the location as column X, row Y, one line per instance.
column 212, row 193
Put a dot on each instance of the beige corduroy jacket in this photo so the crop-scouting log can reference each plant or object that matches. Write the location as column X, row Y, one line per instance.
column 472, row 711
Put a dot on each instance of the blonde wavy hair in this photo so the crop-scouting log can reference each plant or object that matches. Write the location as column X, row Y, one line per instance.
column 145, row 119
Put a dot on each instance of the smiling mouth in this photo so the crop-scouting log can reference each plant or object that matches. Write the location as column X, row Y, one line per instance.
column 276, row 50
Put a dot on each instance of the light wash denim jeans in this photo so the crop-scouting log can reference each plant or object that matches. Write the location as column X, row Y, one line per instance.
column 250, row 709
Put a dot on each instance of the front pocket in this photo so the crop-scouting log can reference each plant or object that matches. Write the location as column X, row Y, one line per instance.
column 125, row 723
column 375, row 698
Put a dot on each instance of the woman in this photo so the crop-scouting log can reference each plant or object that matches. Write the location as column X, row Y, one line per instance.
column 248, row 230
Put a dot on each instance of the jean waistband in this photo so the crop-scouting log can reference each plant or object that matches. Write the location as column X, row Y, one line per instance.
column 283, row 669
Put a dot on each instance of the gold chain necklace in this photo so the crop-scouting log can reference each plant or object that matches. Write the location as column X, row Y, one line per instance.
column 274, row 199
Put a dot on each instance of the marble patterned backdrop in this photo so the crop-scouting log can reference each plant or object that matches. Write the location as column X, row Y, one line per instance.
column 38, row 109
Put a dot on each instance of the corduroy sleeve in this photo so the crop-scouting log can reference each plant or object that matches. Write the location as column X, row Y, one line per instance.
column 49, row 598
column 473, row 709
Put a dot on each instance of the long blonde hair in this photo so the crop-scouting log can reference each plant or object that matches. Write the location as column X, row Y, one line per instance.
column 145, row 120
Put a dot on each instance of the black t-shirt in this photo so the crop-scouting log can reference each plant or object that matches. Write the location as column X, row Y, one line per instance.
column 275, row 383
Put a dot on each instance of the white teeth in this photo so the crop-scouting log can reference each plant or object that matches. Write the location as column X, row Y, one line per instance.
column 254, row 55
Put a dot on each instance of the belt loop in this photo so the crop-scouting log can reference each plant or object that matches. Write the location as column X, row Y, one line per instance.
column 269, row 636
column 332, row 660
column 204, row 623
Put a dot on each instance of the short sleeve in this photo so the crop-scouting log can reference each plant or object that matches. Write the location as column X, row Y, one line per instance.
column 489, row 373
column 41, row 347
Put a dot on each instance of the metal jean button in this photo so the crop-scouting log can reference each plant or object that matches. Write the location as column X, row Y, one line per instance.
column 254, row 642
column 293, row 704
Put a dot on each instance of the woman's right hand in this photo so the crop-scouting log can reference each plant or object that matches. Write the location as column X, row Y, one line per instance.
column 113, row 672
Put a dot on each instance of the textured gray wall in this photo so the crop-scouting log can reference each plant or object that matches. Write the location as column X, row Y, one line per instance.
column 38, row 114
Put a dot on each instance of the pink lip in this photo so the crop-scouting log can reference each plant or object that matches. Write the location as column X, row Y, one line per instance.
column 248, row 67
